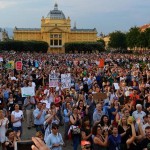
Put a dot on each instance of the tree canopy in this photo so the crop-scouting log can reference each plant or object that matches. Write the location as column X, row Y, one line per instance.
column 32, row 46
column 117, row 40
column 133, row 39
column 83, row 47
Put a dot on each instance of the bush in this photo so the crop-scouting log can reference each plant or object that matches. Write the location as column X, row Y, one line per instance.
column 32, row 46
column 83, row 47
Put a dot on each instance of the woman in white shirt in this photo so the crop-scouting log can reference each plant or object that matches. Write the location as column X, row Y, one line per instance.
column 16, row 119
column 3, row 127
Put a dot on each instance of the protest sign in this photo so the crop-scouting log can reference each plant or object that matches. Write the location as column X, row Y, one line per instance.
column 10, row 65
column 116, row 85
column 66, row 80
column 19, row 65
column 99, row 96
column 1, row 58
column 27, row 91
column 53, row 79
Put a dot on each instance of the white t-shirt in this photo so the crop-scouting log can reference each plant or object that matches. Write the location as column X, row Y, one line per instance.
column 17, row 115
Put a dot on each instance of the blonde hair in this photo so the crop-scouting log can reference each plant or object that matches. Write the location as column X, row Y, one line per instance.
column 38, row 134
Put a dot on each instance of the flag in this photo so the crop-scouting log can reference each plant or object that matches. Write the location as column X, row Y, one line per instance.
column 101, row 63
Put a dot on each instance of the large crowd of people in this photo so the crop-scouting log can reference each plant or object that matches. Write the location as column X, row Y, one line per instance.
column 105, row 108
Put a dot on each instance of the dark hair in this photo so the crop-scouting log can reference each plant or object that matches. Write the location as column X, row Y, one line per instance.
column 39, row 103
column 10, row 93
column 54, row 126
column 52, row 104
column 114, row 127
column 147, row 128
column 67, row 103
column 94, row 129
column 8, row 132
column 125, row 110
column 102, row 120
column 80, row 101
column 84, row 120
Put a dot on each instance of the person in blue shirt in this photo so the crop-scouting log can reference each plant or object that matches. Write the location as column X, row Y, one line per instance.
column 114, row 140
column 54, row 140
column 67, row 112
column 39, row 117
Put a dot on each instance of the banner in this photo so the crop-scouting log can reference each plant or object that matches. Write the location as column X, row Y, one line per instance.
column 66, row 80
column 27, row 91
column 19, row 65
column 53, row 79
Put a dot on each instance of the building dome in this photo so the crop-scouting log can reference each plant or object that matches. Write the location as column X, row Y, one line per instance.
column 56, row 14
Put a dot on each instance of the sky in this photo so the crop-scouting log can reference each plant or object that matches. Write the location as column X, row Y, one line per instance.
column 104, row 15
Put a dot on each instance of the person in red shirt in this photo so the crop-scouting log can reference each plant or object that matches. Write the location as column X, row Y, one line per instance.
column 134, row 97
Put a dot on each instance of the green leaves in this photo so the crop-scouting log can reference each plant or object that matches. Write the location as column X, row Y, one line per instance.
column 117, row 40
column 83, row 47
column 133, row 37
column 32, row 46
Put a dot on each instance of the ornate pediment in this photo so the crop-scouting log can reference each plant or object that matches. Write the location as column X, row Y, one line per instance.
column 56, row 29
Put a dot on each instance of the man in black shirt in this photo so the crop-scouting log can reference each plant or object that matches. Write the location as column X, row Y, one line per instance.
column 145, row 144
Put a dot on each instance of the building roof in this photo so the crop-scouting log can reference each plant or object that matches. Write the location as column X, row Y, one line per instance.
column 27, row 29
column 56, row 14
column 144, row 27
column 83, row 30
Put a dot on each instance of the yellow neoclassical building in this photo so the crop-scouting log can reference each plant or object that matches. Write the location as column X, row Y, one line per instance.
column 56, row 31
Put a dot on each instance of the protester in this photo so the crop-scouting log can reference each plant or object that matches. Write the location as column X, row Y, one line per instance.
column 3, row 128
column 29, row 103
column 54, row 140
column 16, row 119
column 12, row 137
column 75, row 120
column 100, row 140
column 122, row 81
column 39, row 117
column 114, row 140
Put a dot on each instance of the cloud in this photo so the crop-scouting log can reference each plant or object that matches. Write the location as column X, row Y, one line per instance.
column 7, row 4
column 105, row 15
column 4, row 4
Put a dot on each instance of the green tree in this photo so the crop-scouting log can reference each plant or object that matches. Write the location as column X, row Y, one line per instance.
column 147, row 34
column 117, row 40
column 32, row 46
column 142, row 42
column 102, row 42
column 133, row 37
column 83, row 47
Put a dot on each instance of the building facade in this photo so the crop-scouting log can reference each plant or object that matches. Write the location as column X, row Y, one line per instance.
column 3, row 35
column 56, row 31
